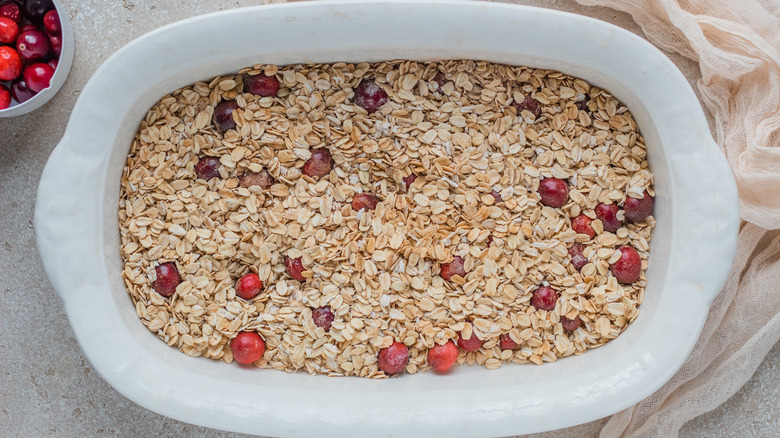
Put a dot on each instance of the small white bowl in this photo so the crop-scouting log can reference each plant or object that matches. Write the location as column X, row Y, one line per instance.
column 692, row 249
column 60, row 74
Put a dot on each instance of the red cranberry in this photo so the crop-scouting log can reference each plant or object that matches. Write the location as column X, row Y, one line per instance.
column 248, row 286
column 263, row 179
column 455, row 267
column 26, row 27
column 496, row 197
column 408, row 180
column 294, row 268
column 365, row 200
column 489, row 240
column 223, row 115
column 582, row 105
column 544, row 298
column 20, row 91
column 9, row 30
column 370, row 96
column 505, row 342
column 35, row 10
column 441, row 81
column 570, row 324
column 443, row 357
column 554, row 192
column 629, row 265
column 12, row 10
column 247, row 347
column 323, row 317
column 207, row 168
column 38, row 76
column 319, row 164
column 393, row 359
column 581, row 225
column 33, row 44
column 607, row 214
column 53, row 63
column 10, row 64
column 261, row 85
column 167, row 279
column 471, row 344
column 638, row 210
column 578, row 259
column 51, row 23
column 529, row 104
column 56, row 44
column 5, row 97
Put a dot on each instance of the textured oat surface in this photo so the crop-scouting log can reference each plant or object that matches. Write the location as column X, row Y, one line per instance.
column 53, row 391
column 478, row 163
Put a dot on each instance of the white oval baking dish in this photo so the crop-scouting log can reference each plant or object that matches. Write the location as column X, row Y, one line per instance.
column 692, row 248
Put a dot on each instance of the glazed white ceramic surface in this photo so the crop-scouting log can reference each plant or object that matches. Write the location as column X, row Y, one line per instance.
column 60, row 74
column 691, row 252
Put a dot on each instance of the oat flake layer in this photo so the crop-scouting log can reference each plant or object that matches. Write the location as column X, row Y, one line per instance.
column 378, row 271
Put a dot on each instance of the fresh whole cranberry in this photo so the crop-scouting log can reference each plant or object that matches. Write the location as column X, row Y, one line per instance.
column 607, row 214
column 544, row 298
column 370, row 96
column 20, row 91
column 408, row 180
column 248, row 286
column 578, row 259
column 9, row 30
column 496, row 197
column 56, row 44
column 263, row 179
column 455, row 267
column 365, row 200
column 167, row 279
column 261, row 85
column 505, row 342
column 5, row 97
column 294, row 268
column 323, row 317
column 10, row 64
column 207, row 168
column 33, row 44
column 223, row 115
column 443, row 357
column 529, row 104
column 319, row 164
column 629, row 265
column 38, row 76
column 570, row 324
column 12, row 10
column 35, row 10
column 51, row 23
column 638, row 210
column 554, row 192
column 471, row 344
column 581, row 225
column 393, row 359
column 247, row 347
column 441, row 81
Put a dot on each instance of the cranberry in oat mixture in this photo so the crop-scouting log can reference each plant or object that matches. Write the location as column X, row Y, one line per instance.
column 207, row 168
column 529, row 104
column 223, row 115
column 581, row 224
column 629, row 266
column 408, row 180
column 442, row 357
column 578, row 259
column 370, row 96
column 167, row 279
column 262, row 179
column 247, row 347
column 496, row 197
column 249, row 286
column 544, row 298
column 319, row 164
column 455, row 267
column 570, row 325
column 472, row 343
column 364, row 201
column 553, row 192
column 393, row 359
column 505, row 342
column 294, row 268
column 638, row 210
column 607, row 214
column 261, row 85
column 323, row 317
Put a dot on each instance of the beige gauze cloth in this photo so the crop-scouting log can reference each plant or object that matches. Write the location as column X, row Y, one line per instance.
column 737, row 45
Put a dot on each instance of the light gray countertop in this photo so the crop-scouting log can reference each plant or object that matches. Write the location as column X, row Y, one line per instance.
column 47, row 387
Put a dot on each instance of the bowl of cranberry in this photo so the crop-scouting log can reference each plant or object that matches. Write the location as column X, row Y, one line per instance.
column 36, row 52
